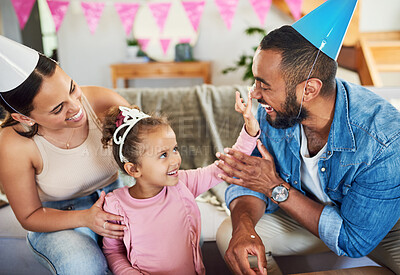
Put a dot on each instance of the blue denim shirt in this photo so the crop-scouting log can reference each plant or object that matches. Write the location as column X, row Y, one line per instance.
column 359, row 170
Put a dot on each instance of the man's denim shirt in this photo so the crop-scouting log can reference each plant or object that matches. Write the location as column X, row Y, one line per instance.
column 359, row 171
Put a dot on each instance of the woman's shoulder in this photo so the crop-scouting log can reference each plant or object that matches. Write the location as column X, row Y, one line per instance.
column 101, row 99
column 15, row 147
column 9, row 137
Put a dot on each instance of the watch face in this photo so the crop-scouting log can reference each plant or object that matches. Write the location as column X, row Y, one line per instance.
column 280, row 193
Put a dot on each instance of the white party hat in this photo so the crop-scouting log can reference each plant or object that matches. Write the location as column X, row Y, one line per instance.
column 17, row 62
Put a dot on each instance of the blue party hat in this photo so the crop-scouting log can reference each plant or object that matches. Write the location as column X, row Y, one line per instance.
column 326, row 26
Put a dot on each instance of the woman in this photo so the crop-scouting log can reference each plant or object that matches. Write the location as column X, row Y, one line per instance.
column 53, row 167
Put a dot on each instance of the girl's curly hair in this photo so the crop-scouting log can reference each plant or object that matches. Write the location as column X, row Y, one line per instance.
column 133, row 147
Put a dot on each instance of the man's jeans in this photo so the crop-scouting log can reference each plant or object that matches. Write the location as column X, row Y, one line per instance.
column 282, row 236
column 73, row 251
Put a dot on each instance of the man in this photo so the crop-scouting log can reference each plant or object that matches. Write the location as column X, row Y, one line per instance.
column 324, row 175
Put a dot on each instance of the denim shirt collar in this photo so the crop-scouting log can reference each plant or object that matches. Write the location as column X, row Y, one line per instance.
column 341, row 136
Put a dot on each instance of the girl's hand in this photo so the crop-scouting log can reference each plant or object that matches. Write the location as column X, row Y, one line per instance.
column 102, row 222
column 251, row 124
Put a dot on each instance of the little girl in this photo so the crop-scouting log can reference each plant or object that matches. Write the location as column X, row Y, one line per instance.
column 160, row 213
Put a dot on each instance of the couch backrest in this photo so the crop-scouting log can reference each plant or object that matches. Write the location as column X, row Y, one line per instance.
column 203, row 117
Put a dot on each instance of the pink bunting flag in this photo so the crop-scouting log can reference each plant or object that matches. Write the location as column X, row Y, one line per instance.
column 58, row 10
column 23, row 9
column 261, row 7
column 185, row 40
column 127, row 13
column 93, row 12
column 160, row 13
column 165, row 44
column 295, row 8
column 143, row 42
column 227, row 10
column 194, row 10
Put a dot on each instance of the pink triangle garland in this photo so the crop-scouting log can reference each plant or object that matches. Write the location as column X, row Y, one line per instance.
column 143, row 42
column 261, row 7
column 185, row 40
column 93, row 12
column 165, row 44
column 227, row 10
column 295, row 8
column 194, row 10
column 23, row 9
column 58, row 10
column 160, row 13
column 127, row 13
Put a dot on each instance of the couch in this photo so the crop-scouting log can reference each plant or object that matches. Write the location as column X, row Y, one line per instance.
column 205, row 122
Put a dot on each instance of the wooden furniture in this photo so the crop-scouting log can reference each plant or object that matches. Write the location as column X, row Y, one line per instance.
column 160, row 70
column 369, row 54
column 377, row 53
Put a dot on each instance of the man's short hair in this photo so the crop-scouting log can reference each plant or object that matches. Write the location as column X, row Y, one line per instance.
column 298, row 56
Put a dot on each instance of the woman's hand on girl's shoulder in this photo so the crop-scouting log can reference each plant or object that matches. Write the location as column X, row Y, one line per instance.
column 104, row 223
column 101, row 99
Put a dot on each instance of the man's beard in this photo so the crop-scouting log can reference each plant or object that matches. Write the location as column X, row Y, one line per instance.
column 290, row 115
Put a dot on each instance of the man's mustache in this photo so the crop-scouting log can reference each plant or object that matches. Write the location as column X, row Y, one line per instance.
column 262, row 101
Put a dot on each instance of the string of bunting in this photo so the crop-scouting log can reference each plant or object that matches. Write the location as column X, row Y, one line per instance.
column 160, row 10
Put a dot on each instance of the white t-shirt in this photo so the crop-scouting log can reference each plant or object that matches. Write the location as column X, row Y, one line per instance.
column 309, row 171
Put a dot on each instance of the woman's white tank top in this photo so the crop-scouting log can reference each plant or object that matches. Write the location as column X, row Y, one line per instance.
column 76, row 172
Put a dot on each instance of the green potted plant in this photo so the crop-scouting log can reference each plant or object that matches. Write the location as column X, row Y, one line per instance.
column 246, row 60
column 132, row 47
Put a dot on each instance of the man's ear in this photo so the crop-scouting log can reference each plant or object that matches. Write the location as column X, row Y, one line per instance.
column 132, row 170
column 312, row 88
column 23, row 119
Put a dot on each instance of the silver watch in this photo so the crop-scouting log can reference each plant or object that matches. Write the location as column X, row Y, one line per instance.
column 280, row 193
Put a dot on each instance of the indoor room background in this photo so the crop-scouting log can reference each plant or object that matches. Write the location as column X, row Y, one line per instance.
column 87, row 56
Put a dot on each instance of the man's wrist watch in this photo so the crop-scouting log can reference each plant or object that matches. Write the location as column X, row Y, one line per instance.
column 280, row 193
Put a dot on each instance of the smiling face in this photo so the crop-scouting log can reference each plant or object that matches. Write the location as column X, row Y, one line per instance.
column 57, row 104
column 159, row 164
column 279, row 101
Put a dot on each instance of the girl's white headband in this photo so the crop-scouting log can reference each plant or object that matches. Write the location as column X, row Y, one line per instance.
column 129, row 118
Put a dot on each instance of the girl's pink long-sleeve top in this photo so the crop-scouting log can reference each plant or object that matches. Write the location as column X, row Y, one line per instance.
column 164, row 231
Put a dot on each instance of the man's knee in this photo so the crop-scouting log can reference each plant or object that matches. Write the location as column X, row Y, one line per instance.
column 224, row 234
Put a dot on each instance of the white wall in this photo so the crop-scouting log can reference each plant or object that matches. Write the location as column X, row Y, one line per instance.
column 382, row 15
column 86, row 57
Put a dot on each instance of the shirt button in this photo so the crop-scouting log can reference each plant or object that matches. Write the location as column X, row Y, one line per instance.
column 295, row 182
column 329, row 153
column 323, row 169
